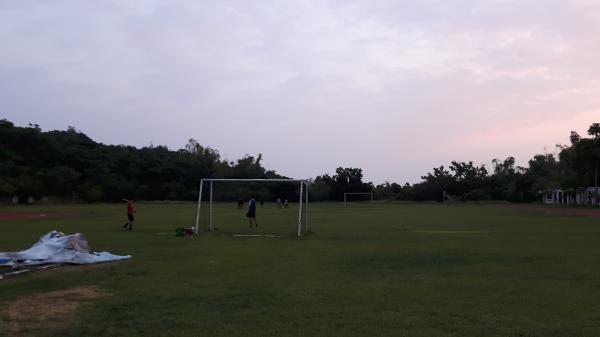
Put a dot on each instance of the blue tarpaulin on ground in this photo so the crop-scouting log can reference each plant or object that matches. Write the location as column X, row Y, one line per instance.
column 56, row 247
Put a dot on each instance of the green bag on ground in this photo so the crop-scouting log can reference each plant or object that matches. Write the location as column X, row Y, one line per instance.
column 180, row 231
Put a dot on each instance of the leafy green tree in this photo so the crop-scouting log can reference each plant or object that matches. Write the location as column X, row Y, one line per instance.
column 319, row 190
column 345, row 180
column 70, row 164
column 467, row 178
column 7, row 188
column 434, row 183
column 594, row 130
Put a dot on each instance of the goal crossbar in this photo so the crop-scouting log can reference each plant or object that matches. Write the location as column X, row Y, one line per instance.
column 303, row 187
column 354, row 193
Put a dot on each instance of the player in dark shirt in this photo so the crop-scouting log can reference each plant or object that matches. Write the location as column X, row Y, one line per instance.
column 252, row 211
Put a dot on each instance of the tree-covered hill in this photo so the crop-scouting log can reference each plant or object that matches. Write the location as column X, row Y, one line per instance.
column 71, row 166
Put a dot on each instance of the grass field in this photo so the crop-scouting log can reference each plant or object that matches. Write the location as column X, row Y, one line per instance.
column 369, row 270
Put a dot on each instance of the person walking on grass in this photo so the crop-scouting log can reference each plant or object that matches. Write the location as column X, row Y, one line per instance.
column 252, row 211
column 130, row 210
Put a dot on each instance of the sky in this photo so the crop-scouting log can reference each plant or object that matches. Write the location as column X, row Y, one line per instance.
column 393, row 87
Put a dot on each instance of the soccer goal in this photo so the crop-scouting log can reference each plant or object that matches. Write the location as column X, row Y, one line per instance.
column 447, row 198
column 369, row 194
column 299, row 222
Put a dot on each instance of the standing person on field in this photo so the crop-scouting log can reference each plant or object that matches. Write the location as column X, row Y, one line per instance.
column 252, row 211
column 130, row 210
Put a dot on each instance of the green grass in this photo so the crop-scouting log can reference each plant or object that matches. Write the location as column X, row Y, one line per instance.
column 368, row 270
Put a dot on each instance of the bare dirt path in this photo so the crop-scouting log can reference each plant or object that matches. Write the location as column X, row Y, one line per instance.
column 20, row 216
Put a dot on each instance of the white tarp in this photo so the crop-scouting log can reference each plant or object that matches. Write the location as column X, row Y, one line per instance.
column 56, row 247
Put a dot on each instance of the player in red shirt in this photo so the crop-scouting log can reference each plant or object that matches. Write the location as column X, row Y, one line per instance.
column 130, row 211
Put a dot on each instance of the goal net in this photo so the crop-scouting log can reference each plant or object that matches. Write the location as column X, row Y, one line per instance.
column 281, row 206
column 447, row 198
column 357, row 196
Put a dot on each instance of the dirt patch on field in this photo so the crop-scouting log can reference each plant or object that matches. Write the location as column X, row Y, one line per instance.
column 29, row 315
column 564, row 211
column 20, row 216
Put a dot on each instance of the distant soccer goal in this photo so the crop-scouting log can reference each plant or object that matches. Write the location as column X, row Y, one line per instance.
column 281, row 217
column 351, row 194
column 447, row 198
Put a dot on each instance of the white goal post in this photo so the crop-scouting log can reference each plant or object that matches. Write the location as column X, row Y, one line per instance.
column 447, row 198
column 303, row 192
column 354, row 193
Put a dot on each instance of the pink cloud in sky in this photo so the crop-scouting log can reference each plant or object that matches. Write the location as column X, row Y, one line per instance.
column 395, row 88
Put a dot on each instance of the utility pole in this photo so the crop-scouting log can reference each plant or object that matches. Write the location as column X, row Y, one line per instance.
column 596, row 184
column 596, row 178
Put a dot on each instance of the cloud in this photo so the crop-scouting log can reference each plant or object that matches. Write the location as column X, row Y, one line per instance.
column 394, row 87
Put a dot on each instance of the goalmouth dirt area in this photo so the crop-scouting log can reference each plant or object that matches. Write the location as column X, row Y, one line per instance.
column 36, row 314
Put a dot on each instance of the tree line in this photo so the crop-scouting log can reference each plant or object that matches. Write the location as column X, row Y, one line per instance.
column 576, row 165
column 71, row 166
